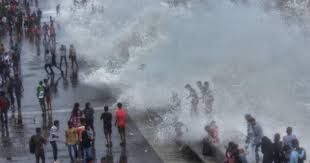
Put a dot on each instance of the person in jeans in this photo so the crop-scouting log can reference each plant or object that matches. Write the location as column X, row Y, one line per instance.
column 87, row 141
column 39, row 141
column 53, row 138
column 71, row 141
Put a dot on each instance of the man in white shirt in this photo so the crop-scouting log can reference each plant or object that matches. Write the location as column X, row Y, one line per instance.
column 53, row 138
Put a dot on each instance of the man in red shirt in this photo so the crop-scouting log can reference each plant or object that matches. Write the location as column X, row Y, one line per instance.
column 4, row 107
column 121, row 122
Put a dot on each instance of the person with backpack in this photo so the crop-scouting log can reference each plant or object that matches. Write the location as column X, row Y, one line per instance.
column 4, row 107
column 298, row 154
column 277, row 149
column 53, row 138
column 89, row 115
column 36, row 146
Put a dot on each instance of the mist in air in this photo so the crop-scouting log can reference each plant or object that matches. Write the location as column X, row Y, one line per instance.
column 255, row 56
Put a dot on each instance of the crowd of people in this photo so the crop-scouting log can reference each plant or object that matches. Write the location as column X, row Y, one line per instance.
column 21, row 21
column 80, row 134
column 256, row 144
column 11, row 87
column 286, row 151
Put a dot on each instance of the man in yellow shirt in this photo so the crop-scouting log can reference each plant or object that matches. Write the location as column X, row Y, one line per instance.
column 71, row 141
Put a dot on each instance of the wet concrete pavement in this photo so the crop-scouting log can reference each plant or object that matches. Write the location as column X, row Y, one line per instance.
column 15, row 145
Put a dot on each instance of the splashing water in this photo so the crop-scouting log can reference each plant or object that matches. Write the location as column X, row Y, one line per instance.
column 255, row 59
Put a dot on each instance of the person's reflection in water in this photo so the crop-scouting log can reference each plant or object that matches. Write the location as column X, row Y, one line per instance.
column 44, row 122
column 50, row 119
column 5, row 132
column 20, row 120
column 54, row 85
column 6, row 143
column 109, row 155
column 108, row 158
column 47, row 122
column 123, row 156
column 65, row 81
column 74, row 78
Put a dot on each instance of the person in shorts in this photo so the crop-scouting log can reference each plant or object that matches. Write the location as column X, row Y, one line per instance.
column 120, row 122
column 106, row 117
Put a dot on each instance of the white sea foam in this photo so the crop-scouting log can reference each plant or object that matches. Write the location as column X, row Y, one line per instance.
column 256, row 59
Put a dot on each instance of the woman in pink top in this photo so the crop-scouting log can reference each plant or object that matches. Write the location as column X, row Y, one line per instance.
column 76, row 115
